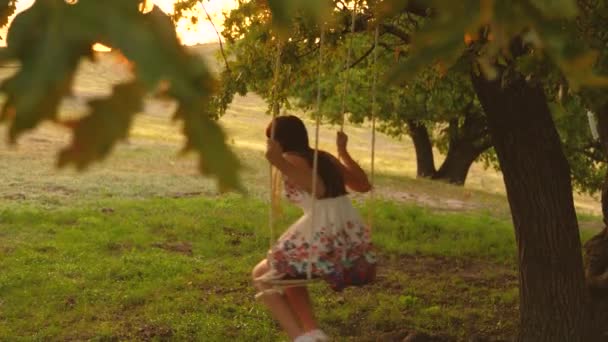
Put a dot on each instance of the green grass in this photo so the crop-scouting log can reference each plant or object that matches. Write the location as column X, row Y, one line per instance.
column 416, row 230
column 179, row 268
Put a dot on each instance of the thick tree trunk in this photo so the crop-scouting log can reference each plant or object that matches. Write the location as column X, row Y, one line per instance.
column 425, row 165
column 457, row 163
column 553, row 296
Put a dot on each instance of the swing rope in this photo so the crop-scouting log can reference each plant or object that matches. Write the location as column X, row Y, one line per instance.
column 370, row 216
column 275, row 112
column 347, row 65
column 315, row 161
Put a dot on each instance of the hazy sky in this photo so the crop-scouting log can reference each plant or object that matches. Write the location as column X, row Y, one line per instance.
column 190, row 34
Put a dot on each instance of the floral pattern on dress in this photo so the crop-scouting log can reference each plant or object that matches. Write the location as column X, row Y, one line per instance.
column 339, row 245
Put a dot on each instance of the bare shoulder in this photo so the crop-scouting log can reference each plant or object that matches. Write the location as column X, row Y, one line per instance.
column 296, row 159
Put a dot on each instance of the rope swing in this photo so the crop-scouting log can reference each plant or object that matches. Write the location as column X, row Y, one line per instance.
column 273, row 173
column 370, row 216
column 347, row 65
column 277, row 285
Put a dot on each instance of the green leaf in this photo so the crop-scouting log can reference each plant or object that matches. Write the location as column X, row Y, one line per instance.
column 562, row 42
column 447, row 51
column 284, row 12
column 441, row 39
column 150, row 41
column 48, row 63
column 580, row 71
column 51, row 37
column 557, row 8
column 97, row 133
column 206, row 137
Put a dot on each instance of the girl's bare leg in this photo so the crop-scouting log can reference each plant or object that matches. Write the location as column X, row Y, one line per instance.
column 277, row 304
column 300, row 303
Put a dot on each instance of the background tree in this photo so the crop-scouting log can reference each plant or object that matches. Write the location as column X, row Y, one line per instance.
column 435, row 110
column 555, row 304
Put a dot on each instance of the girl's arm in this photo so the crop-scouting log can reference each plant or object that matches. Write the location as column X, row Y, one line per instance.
column 354, row 176
column 294, row 167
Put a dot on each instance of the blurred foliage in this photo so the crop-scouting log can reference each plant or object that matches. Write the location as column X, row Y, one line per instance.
column 7, row 9
column 50, row 39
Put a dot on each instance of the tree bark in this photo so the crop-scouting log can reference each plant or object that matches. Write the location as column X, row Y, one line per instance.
column 602, row 128
column 463, row 149
column 425, row 165
column 467, row 141
column 553, row 296
column 455, row 168
column 596, row 249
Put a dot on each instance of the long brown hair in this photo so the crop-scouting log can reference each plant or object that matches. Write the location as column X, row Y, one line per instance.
column 290, row 132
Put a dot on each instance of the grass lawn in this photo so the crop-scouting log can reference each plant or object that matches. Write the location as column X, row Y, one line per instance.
column 179, row 268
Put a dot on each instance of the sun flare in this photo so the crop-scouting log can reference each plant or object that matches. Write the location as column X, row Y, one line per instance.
column 202, row 31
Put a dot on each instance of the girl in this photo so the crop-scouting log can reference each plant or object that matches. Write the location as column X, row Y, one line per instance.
column 341, row 247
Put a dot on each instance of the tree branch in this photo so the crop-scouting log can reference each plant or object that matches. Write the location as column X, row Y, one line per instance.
column 315, row 48
column 397, row 32
column 360, row 59
column 419, row 8
column 219, row 38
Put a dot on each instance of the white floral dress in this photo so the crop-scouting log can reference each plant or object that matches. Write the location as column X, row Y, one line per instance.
column 340, row 243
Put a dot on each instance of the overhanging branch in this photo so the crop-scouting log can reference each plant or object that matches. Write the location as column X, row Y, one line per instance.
column 360, row 59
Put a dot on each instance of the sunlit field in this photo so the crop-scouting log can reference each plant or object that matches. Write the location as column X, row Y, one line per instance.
column 141, row 247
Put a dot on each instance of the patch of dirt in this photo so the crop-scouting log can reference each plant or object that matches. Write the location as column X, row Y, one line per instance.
column 39, row 140
column 58, row 189
column 70, row 302
column 177, row 247
column 15, row 197
column 107, row 210
column 154, row 332
column 471, row 270
column 235, row 235
column 187, row 194
column 119, row 247
column 466, row 286
column 210, row 289
column 6, row 250
column 451, row 204
column 45, row 249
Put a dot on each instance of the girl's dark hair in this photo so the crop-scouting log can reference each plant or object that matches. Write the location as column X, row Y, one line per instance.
column 290, row 132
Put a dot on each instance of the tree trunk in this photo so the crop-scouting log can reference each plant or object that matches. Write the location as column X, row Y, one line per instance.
column 602, row 128
column 425, row 165
column 466, row 142
column 457, row 163
column 553, row 296
column 596, row 249
column 463, row 150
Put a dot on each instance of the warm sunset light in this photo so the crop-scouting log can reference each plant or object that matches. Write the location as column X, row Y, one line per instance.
column 189, row 34
column 202, row 31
